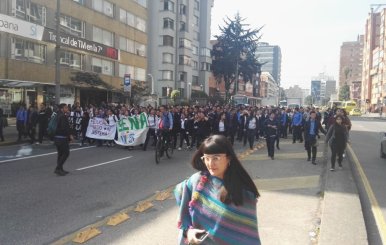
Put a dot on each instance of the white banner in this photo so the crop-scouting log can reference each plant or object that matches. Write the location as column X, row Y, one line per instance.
column 99, row 129
column 20, row 27
column 132, row 131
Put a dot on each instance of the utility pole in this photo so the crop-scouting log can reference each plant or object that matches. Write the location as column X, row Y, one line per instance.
column 57, row 55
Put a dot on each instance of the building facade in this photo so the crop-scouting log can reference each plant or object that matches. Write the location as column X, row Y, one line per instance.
column 179, row 46
column 373, row 92
column 270, row 57
column 351, row 59
column 322, row 86
column 269, row 89
column 88, row 45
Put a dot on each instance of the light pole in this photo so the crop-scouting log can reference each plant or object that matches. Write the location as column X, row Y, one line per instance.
column 57, row 54
column 189, row 91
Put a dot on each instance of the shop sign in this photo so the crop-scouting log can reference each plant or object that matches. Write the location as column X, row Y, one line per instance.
column 81, row 44
column 19, row 27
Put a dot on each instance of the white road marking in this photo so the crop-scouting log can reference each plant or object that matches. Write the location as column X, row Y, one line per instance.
column 104, row 163
column 42, row 155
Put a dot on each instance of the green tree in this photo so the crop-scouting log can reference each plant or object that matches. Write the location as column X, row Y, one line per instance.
column 175, row 94
column 138, row 91
column 308, row 100
column 234, row 53
column 344, row 92
column 89, row 78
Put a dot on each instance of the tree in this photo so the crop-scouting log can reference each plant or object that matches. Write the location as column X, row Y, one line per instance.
column 175, row 94
column 308, row 100
column 234, row 54
column 89, row 78
column 138, row 91
column 344, row 92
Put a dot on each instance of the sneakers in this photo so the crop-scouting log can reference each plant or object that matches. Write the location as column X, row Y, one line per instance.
column 179, row 148
column 332, row 169
column 60, row 172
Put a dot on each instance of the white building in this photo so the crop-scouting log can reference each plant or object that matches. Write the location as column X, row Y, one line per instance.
column 179, row 45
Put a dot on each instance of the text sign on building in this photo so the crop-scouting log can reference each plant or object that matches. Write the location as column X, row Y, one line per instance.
column 81, row 44
column 127, row 83
column 22, row 28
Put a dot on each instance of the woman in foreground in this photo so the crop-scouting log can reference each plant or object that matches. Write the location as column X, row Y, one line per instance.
column 219, row 200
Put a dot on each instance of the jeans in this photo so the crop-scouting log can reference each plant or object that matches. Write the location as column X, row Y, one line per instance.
column 63, row 148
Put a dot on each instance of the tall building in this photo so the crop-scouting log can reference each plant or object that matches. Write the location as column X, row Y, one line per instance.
column 351, row 60
column 269, row 89
column 270, row 57
column 373, row 93
column 322, row 86
column 179, row 45
column 88, row 45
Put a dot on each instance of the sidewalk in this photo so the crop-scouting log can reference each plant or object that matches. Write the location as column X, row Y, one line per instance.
column 300, row 204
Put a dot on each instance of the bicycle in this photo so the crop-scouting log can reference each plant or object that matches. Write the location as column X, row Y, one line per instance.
column 163, row 145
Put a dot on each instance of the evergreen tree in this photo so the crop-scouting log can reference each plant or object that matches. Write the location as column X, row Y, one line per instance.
column 344, row 93
column 234, row 54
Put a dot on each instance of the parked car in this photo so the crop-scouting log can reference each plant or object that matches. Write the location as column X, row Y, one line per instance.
column 355, row 112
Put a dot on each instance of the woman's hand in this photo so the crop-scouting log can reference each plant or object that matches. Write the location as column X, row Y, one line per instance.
column 191, row 236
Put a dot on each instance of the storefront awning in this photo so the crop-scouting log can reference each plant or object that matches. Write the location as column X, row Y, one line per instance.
column 20, row 83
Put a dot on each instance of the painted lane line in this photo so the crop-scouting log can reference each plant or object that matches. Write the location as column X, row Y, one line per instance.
column 42, row 155
column 377, row 212
column 104, row 163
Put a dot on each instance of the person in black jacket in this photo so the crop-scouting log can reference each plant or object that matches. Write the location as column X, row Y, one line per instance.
column 271, row 126
column 32, row 121
column 232, row 125
column 62, row 139
column 176, row 125
column 43, row 123
column 311, row 130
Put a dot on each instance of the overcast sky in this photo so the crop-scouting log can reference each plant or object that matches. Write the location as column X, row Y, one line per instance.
column 309, row 32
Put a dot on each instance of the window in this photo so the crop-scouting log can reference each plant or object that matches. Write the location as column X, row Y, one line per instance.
column 70, row 59
column 196, row 35
column 167, row 75
column 126, row 45
column 185, row 43
column 182, row 9
column 126, row 69
column 166, row 91
column 184, row 60
column 31, row 12
column 196, row 5
column 194, row 50
column 195, row 65
column 205, row 52
column 205, row 66
column 104, row 7
column 183, row 76
column 140, row 74
column 143, row 3
column 72, row 26
column 127, row 17
column 140, row 24
column 168, row 23
column 195, row 20
column 167, row 58
column 78, row 1
column 167, row 41
column 140, row 49
column 182, row 26
column 168, row 5
column 102, row 36
column 195, row 80
column 25, row 50
column 102, row 66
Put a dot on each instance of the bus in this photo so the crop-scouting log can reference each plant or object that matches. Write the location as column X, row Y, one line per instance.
column 245, row 100
column 349, row 105
column 282, row 103
column 334, row 103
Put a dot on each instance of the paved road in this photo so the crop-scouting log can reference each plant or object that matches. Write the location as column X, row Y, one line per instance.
column 365, row 138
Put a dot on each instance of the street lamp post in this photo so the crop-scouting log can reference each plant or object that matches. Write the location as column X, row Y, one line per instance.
column 189, row 91
column 57, row 54
column 152, row 83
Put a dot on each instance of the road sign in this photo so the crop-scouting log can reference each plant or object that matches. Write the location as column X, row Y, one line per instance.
column 127, row 83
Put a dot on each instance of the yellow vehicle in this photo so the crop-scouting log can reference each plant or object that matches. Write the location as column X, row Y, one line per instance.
column 349, row 105
column 334, row 103
column 355, row 112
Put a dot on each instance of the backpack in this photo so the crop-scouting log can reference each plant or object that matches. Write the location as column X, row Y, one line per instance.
column 52, row 124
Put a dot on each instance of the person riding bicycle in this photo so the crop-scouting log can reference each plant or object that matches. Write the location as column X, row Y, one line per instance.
column 165, row 124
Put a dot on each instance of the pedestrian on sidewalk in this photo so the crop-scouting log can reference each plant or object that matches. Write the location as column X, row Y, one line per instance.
column 62, row 139
column 21, row 121
column 271, row 127
column 2, row 125
column 32, row 121
column 43, row 122
column 220, row 199
column 311, row 130
column 337, row 139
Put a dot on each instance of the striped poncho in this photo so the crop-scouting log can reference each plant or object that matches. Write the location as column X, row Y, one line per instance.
column 201, row 208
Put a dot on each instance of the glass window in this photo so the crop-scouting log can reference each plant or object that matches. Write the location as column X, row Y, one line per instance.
column 195, row 20
column 130, row 19
column 182, row 9
column 31, row 12
column 205, row 52
column 195, row 80
column 168, row 23
column 194, row 50
column 167, row 41
column 195, row 65
column 140, row 74
column 29, row 51
column 140, row 24
column 167, row 75
column 167, row 58
column 143, row 3
column 168, row 5
column 104, row 7
column 78, row 1
column 166, row 91
column 103, row 36
column 126, row 45
column 70, row 59
column 182, row 26
column 184, row 60
column 102, row 66
column 126, row 69
column 196, row 5
column 72, row 26
column 140, row 49
column 185, row 43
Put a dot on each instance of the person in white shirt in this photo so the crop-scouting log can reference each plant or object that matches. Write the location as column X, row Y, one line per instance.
column 153, row 122
column 184, row 132
column 111, row 120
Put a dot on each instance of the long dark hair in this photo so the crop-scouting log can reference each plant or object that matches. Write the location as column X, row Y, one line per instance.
column 236, row 179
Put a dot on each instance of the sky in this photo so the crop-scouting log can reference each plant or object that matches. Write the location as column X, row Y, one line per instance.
column 309, row 32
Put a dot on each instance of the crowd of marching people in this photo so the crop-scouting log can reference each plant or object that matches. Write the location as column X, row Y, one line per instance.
column 188, row 126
